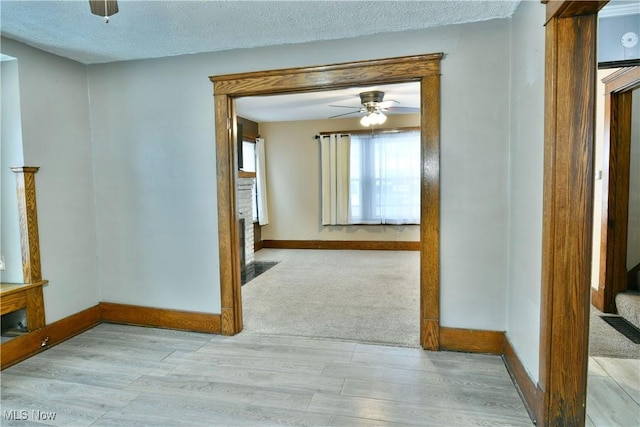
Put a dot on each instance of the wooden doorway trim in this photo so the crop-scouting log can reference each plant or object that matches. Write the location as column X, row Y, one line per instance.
column 615, row 184
column 422, row 68
column 570, row 77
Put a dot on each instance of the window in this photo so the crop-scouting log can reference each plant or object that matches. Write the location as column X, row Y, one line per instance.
column 384, row 178
column 248, row 156
column 249, row 165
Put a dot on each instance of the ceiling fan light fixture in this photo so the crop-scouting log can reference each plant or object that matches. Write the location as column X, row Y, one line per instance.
column 373, row 118
column 380, row 118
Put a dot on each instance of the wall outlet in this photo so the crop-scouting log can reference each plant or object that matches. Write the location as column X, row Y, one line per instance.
column 1, row 263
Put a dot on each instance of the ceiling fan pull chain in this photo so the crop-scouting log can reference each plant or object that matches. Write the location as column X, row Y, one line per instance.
column 106, row 16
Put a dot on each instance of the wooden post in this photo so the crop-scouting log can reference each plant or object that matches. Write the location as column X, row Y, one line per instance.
column 30, row 244
column 570, row 74
column 28, row 215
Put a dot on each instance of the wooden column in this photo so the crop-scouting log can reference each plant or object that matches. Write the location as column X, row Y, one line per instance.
column 430, row 215
column 28, row 214
column 228, row 239
column 570, row 75
column 30, row 244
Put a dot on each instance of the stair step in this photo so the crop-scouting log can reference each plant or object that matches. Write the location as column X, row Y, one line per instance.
column 628, row 304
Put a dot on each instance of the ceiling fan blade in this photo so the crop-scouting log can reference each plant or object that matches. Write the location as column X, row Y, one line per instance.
column 345, row 114
column 401, row 109
column 388, row 103
column 346, row 106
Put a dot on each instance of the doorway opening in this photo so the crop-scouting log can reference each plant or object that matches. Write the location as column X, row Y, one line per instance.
column 615, row 300
column 323, row 287
column 422, row 68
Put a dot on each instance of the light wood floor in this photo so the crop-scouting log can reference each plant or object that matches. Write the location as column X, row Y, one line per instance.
column 124, row 375
column 613, row 392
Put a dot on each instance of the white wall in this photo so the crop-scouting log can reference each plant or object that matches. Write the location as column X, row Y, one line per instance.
column 155, row 192
column 526, row 183
column 293, row 183
column 10, row 155
column 56, row 137
column 153, row 135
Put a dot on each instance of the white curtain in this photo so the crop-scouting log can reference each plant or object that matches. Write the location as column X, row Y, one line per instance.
column 385, row 178
column 334, row 151
column 261, row 183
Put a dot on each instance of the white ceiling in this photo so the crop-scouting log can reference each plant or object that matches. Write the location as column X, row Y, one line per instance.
column 153, row 29
column 318, row 105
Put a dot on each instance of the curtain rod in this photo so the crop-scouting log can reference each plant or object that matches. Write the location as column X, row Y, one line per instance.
column 321, row 134
column 366, row 131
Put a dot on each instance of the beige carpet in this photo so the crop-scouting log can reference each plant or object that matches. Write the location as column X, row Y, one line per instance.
column 605, row 341
column 362, row 296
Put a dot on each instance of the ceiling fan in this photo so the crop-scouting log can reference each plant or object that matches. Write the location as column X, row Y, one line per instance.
column 104, row 8
column 373, row 106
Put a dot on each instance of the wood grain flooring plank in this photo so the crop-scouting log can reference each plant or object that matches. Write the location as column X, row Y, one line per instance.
column 342, row 421
column 73, row 404
column 222, row 392
column 276, row 351
column 625, row 372
column 112, row 360
column 415, row 377
column 504, row 402
column 304, row 342
column 363, row 349
column 143, row 341
column 122, row 350
column 491, row 365
column 131, row 330
column 27, row 410
column 292, row 366
column 596, row 369
column 609, row 405
column 188, row 411
column 95, row 375
column 421, row 414
column 259, row 378
column 47, row 387
column 128, row 342
column 433, row 355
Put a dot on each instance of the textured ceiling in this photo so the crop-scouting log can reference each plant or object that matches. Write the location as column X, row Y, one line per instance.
column 152, row 29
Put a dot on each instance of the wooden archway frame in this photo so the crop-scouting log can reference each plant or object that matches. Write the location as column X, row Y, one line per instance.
column 615, row 182
column 559, row 398
column 422, row 68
